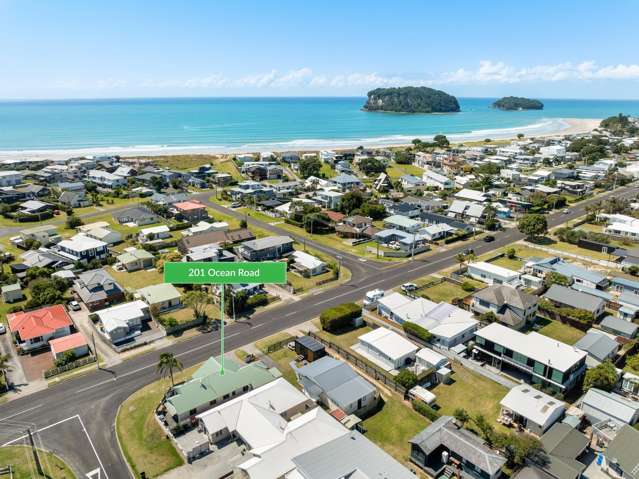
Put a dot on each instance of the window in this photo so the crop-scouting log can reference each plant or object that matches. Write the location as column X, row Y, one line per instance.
column 557, row 376
column 520, row 358
column 226, row 396
column 480, row 340
column 499, row 348
column 539, row 368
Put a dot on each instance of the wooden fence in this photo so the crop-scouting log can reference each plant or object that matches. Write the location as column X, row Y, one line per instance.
column 49, row 373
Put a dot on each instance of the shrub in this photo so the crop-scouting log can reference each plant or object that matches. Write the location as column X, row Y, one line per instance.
column 468, row 287
column 511, row 253
column 406, row 378
column 339, row 317
column 418, row 331
column 168, row 321
column 257, row 300
column 425, row 410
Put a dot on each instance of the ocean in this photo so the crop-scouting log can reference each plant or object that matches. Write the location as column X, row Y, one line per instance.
column 248, row 124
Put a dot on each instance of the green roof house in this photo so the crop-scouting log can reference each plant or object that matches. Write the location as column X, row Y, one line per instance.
column 163, row 296
column 136, row 259
column 207, row 389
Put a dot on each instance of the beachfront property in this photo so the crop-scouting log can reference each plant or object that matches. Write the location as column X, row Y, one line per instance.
column 386, row 349
column 492, row 274
column 535, row 357
column 106, row 179
column 10, row 178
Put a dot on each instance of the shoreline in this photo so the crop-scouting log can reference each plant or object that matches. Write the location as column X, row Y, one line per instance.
column 548, row 128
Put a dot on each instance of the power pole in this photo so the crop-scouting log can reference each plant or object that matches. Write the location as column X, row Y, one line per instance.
column 222, row 329
column 95, row 350
column 36, row 457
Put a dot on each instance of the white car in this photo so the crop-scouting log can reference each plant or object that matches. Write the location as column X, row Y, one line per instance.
column 372, row 297
column 408, row 287
column 3, row 328
column 74, row 306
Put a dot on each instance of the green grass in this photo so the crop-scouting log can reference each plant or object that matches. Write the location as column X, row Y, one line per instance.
column 560, row 331
column 510, row 263
column 393, row 426
column 263, row 344
column 145, row 446
column 395, row 170
column 574, row 249
column 282, row 358
column 328, row 171
column 186, row 314
column 301, row 283
column 137, row 279
column 443, row 292
column 22, row 462
column 344, row 340
column 472, row 392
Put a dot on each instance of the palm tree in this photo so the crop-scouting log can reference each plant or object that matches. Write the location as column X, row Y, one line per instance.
column 167, row 363
column 461, row 259
column 5, row 367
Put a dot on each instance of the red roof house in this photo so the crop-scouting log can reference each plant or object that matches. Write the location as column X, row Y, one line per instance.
column 192, row 210
column 75, row 342
column 34, row 329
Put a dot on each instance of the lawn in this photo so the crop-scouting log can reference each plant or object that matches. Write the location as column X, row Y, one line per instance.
column 301, row 283
column 472, row 392
column 393, row 426
column 560, row 331
column 186, row 314
column 21, row 460
column 344, row 340
column 574, row 249
column 282, row 358
column 510, row 263
column 137, row 279
column 189, row 162
column 263, row 344
column 395, row 170
column 145, row 445
column 446, row 291
column 327, row 171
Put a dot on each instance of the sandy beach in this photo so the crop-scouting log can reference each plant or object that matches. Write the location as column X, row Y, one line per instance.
column 554, row 127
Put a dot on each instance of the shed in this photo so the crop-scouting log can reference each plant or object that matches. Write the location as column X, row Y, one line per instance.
column 12, row 293
column 76, row 343
column 310, row 348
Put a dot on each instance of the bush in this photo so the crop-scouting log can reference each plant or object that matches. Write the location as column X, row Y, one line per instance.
column 416, row 330
column 257, row 300
column 168, row 321
column 406, row 378
column 339, row 317
column 468, row 287
column 425, row 410
column 511, row 253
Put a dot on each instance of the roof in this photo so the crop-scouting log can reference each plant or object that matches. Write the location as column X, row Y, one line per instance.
column 563, row 444
column 351, row 455
column 267, row 242
column 536, row 346
column 471, row 195
column 494, row 269
column 625, row 282
column 120, row 315
column 81, row 242
column 463, row 442
column 134, row 255
column 431, row 357
column 389, row 342
column 307, row 260
column 604, row 405
column 501, row 294
column 8, row 288
column 598, row 345
column 574, row 299
column 95, row 285
column 67, row 343
column 40, row 322
column 623, row 449
column 402, row 221
column 345, row 179
column 620, row 325
column 532, row 404
column 394, row 301
column 189, row 205
column 310, row 343
column 572, row 270
column 159, row 293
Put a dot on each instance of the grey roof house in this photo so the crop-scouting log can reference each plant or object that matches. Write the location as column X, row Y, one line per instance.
column 97, row 289
column 269, row 248
column 512, row 307
column 599, row 347
column 600, row 405
column 622, row 454
column 568, row 297
column 620, row 327
column 139, row 215
column 563, row 445
column 334, row 384
column 474, row 457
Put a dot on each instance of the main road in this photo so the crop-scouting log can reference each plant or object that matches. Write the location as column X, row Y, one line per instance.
column 96, row 396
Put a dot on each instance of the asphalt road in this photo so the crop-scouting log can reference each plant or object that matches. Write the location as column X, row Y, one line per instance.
column 96, row 397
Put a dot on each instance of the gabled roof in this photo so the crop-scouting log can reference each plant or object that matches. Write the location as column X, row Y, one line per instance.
column 500, row 294
column 620, row 325
column 563, row 444
column 604, row 405
column 572, row 298
column 532, row 404
column 623, row 449
column 40, row 322
column 598, row 345
column 67, row 343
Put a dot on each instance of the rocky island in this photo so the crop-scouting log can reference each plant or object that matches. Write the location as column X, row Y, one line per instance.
column 511, row 103
column 411, row 100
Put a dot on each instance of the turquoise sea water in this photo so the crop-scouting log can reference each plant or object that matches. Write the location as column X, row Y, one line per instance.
column 264, row 123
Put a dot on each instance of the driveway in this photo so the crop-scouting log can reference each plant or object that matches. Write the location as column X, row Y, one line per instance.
column 16, row 375
column 106, row 355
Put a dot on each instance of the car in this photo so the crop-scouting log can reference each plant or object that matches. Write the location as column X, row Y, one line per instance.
column 468, row 251
column 74, row 306
column 408, row 287
column 235, row 204
column 3, row 328
column 566, row 211
column 489, row 238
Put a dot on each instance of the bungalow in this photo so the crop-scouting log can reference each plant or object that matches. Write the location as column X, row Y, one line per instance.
column 75, row 344
column 208, row 252
column 138, row 215
column 83, row 248
column 564, row 445
column 385, row 348
column 599, row 346
column 106, row 235
column 436, row 232
column 134, row 259
column 346, row 182
column 402, row 208
column 307, row 264
column 328, row 198
column 263, row 249
column 434, row 219
column 468, row 454
column 574, row 273
column 402, row 223
column 531, row 409
column 437, row 180
column 45, row 258
column 154, row 234
column 492, row 274
column 12, row 293
column 221, row 237
column 624, row 285
column 123, row 321
column 205, row 227
column 74, row 199
column 45, row 235
column 97, row 289
column 567, row 297
column 430, row 359
column 106, row 179
column 473, row 212
column 34, row 207
column 334, row 384
column 409, row 243
column 191, row 210
column 472, row 195
column 163, row 297
column 512, row 307
column 34, row 329
column 619, row 327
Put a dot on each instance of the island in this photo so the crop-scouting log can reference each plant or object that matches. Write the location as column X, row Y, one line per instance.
column 511, row 103
column 411, row 100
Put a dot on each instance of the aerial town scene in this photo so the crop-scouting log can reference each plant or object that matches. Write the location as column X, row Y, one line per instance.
column 227, row 252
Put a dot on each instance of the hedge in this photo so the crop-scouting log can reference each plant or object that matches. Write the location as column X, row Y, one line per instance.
column 416, row 330
column 425, row 410
column 257, row 300
column 339, row 317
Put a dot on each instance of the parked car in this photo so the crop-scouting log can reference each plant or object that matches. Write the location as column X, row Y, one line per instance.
column 249, row 358
column 489, row 238
column 3, row 328
column 566, row 211
column 74, row 306
column 408, row 287
column 371, row 298
column 235, row 204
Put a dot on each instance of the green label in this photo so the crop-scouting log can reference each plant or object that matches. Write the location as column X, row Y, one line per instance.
column 204, row 272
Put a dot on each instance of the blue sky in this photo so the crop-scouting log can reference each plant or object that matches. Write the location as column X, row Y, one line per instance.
column 546, row 49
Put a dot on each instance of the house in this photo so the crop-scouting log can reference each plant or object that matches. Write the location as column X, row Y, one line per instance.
column 34, row 207
column 512, row 307
column 10, row 178
column 328, row 198
column 12, row 293
column 427, row 358
column 334, row 384
column 576, row 274
column 385, row 348
column 263, row 249
column 275, row 423
column 45, row 258
column 471, row 195
column 599, row 405
column 345, row 182
column 292, row 156
column 436, row 232
column 309, row 348
column 123, row 321
column 307, row 264
column 191, row 211
column 219, row 237
column 412, row 183
column 492, row 274
column 74, row 199
column 106, row 235
column 624, row 285
column 106, row 179
column 599, row 346
column 45, row 235
column 349, row 456
column 97, row 289
column 402, row 208
column 540, row 359
column 564, row 445
column 138, row 215
column 533, row 410
column 619, row 327
column 567, row 297
column 435, row 219
column 83, row 248
column 437, row 180
column 621, row 458
column 33, row 330
column 402, row 223
column 356, row 226
column 74, row 343
column 473, row 212
column 163, row 297
column 205, row 227
column 207, row 388
column 466, row 451
column 134, row 259
column 208, row 252
column 154, row 234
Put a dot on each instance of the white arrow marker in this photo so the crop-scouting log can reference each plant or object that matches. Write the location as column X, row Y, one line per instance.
column 94, row 474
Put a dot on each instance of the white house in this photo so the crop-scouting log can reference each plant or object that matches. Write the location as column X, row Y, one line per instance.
column 205, row 227
column 402, row 223
column 534, row 410
column 106, row 179
column 328, row 198
column 472, row 195
column 83, row 248
column 44, row 234
column 110, row 237
column 552, row 151
column 123, row 321
column 387, row 349
column 427, row 358
column 154, row 233
column 492, row 274
column 10, row 178
column 437, row 180
column 307, row 264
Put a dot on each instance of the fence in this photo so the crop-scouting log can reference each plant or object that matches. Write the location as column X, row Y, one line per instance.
column 271, row 348
column 49, row 373
column 375, row 373
column 178, row 328
column 601, row 262
column 554, row 315
column 140, row 341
